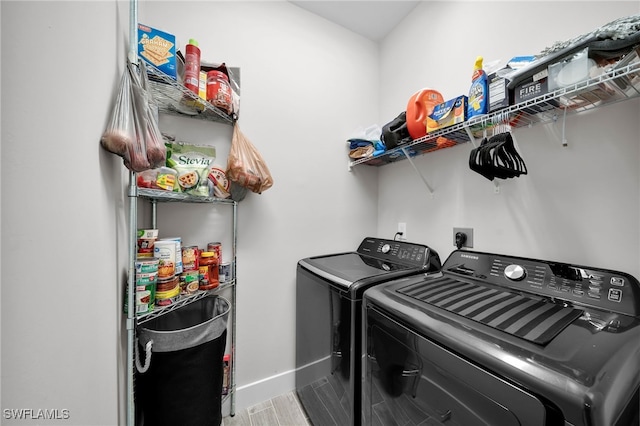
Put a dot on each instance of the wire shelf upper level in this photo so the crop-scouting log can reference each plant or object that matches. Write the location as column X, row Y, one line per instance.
column 174, row 98
column 616, row 85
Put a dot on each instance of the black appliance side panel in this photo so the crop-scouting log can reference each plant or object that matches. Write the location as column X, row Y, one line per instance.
column 323, row 350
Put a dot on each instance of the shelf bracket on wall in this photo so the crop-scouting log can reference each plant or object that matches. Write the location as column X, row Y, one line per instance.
column 406, row 153
column 472, row 139
column 564, row 123
column 555, row 119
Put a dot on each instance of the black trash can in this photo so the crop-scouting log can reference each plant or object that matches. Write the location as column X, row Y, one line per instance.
column 179, row 365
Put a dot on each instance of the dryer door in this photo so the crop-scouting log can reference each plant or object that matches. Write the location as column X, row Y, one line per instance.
column 409, row 379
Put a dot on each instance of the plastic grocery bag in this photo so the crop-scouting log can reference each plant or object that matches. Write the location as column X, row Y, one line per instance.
column 132, row 131
column 245, row 165
column 136, row 157
column 156, row 150
column 120, row 131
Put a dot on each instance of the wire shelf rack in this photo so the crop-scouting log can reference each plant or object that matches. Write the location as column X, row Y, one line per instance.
column 183, row 301
column 616, row 85
column 173, row 98
column 181, row 197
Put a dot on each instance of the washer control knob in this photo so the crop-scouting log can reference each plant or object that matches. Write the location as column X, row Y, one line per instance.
column 386, row 248
column 515, row 272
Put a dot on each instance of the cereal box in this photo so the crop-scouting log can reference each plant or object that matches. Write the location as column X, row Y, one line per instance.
column 158, row 49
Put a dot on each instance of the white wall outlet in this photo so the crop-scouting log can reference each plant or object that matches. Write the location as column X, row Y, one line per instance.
column 402, row 227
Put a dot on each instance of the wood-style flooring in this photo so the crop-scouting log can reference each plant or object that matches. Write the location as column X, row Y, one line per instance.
column 283, row 410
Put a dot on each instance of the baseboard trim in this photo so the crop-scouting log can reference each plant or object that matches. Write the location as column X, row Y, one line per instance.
column 262, row 390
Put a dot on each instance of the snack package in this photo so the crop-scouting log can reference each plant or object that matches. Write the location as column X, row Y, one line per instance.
column 219, row 181
column 192, row 164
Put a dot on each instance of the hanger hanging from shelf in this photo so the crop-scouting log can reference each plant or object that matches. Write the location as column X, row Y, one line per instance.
column 497, row 156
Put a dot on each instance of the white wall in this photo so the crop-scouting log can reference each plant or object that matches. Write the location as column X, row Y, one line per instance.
column 306, row 85
column 577, row 204
column 62, row 213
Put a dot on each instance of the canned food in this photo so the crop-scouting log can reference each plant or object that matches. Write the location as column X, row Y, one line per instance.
column 225, row 272
column 166, row 298
column 218, row 90
column 190, row 258
column 145, row 298
column 146, row 242
column 165, row 252
column 189, row 282
column 146, row 265
column 216, row 248
column 144, row 279
column 167, row 284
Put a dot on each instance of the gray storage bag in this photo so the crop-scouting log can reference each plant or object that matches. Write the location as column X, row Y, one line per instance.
column 180, row 382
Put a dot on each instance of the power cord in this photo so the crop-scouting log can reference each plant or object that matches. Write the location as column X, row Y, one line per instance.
column 395, row 237
column 461, row 238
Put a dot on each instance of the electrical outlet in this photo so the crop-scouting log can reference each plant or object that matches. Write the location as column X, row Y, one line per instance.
column 468, row 232
column 402, row 227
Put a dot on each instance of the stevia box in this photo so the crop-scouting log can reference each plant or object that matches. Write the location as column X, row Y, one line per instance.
column 158, row 49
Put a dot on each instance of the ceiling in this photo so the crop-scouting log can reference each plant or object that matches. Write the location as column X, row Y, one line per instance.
column 371, row 19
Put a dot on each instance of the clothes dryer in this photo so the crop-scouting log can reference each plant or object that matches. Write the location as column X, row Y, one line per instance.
column 329, row 291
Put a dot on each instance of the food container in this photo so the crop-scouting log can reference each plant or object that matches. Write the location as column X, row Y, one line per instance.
column 166, row 298
column 208, row 270
column 146, row 242
column 189, row 282
column 165, row 252
column 145, row 279
column 144, row 298
column 166, row 178
column 216, row 247
column 224, row 273
column 167, row 284
column 178, row 255
column 219, row 90
column 190, row 258
column 146, row 265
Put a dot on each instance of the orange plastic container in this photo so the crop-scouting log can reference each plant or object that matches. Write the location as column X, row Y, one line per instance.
column 420, row 105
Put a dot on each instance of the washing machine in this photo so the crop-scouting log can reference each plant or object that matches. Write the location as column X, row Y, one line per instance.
column 329, row 291
column 503, row 340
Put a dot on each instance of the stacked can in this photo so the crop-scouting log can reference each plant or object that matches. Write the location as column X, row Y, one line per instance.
column 225, row 272
column 223, row 268
column 146, row 277
column 216, row 248
column 189, row 278
column 146, row 241
column 168, row 287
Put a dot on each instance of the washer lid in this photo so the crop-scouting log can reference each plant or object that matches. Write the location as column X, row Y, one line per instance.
column 349, row 268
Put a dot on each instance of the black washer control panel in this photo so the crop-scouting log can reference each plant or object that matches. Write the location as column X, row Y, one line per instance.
column 416, row 255
column 603, row 289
